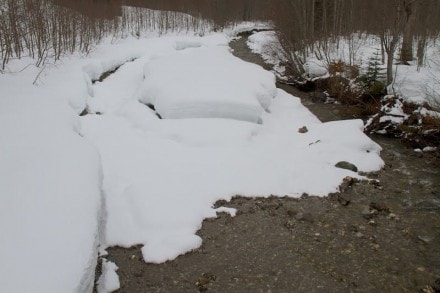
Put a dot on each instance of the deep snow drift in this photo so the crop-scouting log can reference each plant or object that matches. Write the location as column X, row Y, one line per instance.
column 50, row 197
column 207, row 83
column 236, row 134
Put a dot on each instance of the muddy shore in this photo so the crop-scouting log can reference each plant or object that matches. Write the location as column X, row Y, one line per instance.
column 381, row 237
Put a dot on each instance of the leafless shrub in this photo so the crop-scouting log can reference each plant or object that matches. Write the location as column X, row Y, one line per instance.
column 45, row 29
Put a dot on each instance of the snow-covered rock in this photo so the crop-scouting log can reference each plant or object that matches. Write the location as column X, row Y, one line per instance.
column 207, row 83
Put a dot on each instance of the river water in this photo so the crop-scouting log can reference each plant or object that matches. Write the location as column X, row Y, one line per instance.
column 381, row 237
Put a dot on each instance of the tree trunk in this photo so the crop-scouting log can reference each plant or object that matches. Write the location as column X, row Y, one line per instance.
column 421, row 47
column 390, row 55
column 406, row 52
column 389, row 43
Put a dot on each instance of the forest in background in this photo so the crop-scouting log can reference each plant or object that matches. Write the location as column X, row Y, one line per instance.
column 46, row 29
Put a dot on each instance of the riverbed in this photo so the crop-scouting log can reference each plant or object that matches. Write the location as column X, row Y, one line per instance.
column 377, row 235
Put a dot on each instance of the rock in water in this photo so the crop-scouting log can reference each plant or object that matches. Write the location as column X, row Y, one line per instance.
column 347, row 166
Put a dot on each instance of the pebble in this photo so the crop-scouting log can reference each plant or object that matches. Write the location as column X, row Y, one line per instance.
column 372, row 223
column 425, row 239
column 303, row 130
column 350, row 180
column 292, row 212
column 202, row 281
column 374, row 182
column 289, row 224
column 304, row 217
column 393, row 216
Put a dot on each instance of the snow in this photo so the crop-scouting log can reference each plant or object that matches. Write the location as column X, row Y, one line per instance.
column 235, row 29
column 266, row 44
column 418, row 86
column 413, row 84
column 429, row 149
column 226, row 131
column 49, row 191
column 315, row 68
column 425, row 112
column 393, row 113
column 182, row 45
column 177, row 86
column 109, row 280
column 231, row 211
column 162, row 176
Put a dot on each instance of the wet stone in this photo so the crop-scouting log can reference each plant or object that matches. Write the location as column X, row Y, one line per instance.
column 380, row 207
column 347, row 166
column 292, row 212
column 425, row 239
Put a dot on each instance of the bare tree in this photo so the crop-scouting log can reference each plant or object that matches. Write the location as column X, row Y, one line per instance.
column 406, row 51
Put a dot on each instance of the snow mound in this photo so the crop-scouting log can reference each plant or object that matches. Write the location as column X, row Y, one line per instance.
column 50, row 196
column 314, row 69
column 182, row 45
column 417, row 85
column 200, row 84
